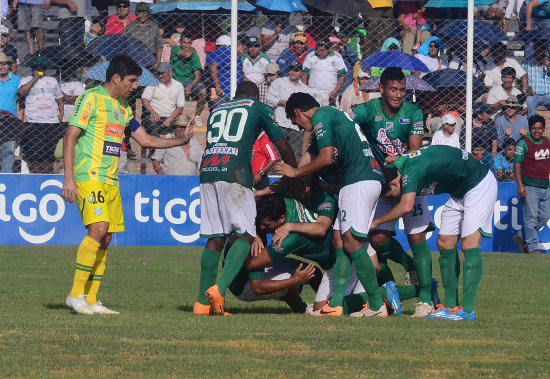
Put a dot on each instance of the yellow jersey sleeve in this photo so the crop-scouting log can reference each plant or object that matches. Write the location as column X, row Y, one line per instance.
column 84, row 110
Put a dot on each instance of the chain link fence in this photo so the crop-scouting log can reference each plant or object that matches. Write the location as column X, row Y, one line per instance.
column 510, row 74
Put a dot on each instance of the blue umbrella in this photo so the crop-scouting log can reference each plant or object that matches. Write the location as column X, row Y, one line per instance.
column 450, row 78
column 395, row 58
column 482, row 31
column 282, row 5
column 199, row 5
column 456, row 3
column 99, row 71
column 413, row 83
column 110, row 45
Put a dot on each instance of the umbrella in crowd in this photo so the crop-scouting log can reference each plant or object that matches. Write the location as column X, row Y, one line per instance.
column 110, row 45
column 395, row 58
column 99, row 71
column 450, row 78
column 282, row 5
column 482, row 31
column 199, row 5
column 456, row 3
column 39, row 60
column 413, row 83
column 350, row 8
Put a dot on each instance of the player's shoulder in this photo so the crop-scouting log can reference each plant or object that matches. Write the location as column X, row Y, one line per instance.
column 410, row 107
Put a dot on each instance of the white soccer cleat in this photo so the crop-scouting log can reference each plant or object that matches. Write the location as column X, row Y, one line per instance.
column 79, row 305
column 100, row 309
column 310, row 311
column 422, row 310
column 367, row 312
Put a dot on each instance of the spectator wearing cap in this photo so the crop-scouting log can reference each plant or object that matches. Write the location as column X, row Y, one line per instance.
column 428, row 53
column 354, row 95
column 275, row 39
column 296, row 52
column 218, row 63
column 180, row 160
column 446, row 135
column 484, row 132
column 71, row 15
column 254, row 61
column 271, row 74
column 9, row 84
column 493, row 70
column 349, row 57
column 29, row 18
column 510, row 124
column 145, row 30
column 135, row 3
column 188, row 71
column 118, row 22
column 277, row 95
column 504, row 161
column 7, row 48
column 538, row 68
column 500, row 93
column 164, row 102
column 324, row 73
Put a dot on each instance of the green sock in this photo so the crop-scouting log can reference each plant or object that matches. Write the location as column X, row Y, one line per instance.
column 341, row 273
column 407, row 292
column 449, row 276
column 422, row 257
column 473, row 270
column 209, row 272
column 367, row 276
column 354, row 303
column 398, row 255
column 233, row 263
column 385, row 274
column 299, row 306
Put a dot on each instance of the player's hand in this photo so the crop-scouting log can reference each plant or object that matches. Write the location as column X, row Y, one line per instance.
column 187, row 134
column 260, row 193
column 256, row 247
column 303, row 275
column 155, row 117
column 374, row 224
column 69, row 191
column 390, row 159
column 523, row 132
column 285, row 169
column 521, row 191
column 280, row 234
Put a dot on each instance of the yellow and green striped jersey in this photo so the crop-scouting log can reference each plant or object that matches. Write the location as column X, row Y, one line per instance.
column 102, row 120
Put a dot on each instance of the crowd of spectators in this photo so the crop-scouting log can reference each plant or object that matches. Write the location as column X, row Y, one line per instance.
column 281, row 54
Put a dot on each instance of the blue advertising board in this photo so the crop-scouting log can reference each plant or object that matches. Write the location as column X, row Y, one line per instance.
column 165, row 210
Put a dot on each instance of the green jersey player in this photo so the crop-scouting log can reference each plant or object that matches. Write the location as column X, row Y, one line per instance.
column 466, row 216
column 227, row 202
column 340, row 139
column 394, row 127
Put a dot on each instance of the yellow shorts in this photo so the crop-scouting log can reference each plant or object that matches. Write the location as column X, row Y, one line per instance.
column 100, row 202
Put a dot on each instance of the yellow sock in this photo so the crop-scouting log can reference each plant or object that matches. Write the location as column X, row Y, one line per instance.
column 94, row 280
column 85, row 259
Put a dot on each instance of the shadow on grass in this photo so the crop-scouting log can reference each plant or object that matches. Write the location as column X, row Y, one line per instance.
column 240, row 310
column 57, row 306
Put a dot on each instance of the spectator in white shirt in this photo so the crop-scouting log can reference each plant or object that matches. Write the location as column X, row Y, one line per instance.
column 446, row 135
column 254, row 61
column 499, row 93
column 493, row 73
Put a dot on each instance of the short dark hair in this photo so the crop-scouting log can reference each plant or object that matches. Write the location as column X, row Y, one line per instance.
column 392, row 73
column 390, row 173
column 508, row 71
column 536, row 118
column 508, row 142
column 271, row 207
column 122, row 65
column 186, row 35
column 299, row 100
column 247, row 89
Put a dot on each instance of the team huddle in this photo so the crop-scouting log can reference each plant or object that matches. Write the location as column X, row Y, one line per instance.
column 337, row 207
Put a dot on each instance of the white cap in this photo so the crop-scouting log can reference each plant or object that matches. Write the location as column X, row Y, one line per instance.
column 448, row 119
column 4, row 29
column 223, row 41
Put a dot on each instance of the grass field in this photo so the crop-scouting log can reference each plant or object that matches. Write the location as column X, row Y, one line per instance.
column 156, row 334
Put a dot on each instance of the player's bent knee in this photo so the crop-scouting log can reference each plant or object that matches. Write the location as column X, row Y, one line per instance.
column 98, row 230
column 378, row 237
column 446, row 242
column 415, row 239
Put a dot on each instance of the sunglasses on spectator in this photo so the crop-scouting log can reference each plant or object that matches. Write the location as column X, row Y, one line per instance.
column 434, row 46
column 299, row 43
column 277, row 73
column 122, row 6
column 254, row 45
column 5, row 35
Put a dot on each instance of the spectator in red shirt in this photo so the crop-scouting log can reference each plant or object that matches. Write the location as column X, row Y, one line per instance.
column 117, row 22
column 264, row 158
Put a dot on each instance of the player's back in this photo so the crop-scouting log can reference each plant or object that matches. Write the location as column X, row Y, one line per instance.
column 232, row 130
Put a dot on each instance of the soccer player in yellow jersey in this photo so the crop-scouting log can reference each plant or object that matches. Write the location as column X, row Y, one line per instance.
column 91, row 152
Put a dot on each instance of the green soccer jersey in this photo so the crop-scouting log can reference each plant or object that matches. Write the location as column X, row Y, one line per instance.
column 440, row 169
column 352, row 151
column 323, row 204
column 390, row 135
column 319, row 250
column 231, row 132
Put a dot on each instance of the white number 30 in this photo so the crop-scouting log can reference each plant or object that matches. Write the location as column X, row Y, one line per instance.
column 222, row 122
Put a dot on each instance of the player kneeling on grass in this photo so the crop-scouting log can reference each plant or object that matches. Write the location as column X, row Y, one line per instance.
column 91, row 153
column 466, row 216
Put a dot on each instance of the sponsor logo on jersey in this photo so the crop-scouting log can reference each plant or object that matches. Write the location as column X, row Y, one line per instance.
column 387, row 146
column 389, row 126
column 216, row 160
column 542, row 154
column 91, row 200
column 324, row 206
column 112, row 149
column 378, row 118
column 115, row 114
column 222, row 148
column 404, row 179
column 368, row 152
column 429, row 191
column 122, row 112
column 98, row 211
column 404, row 121
column 89, row 105
column 415, row 153
column 319, row 131
column 114, row 130
column 464, row 155
column 418, row 124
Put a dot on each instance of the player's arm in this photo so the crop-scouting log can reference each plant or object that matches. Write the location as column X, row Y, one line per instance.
column 301, row 275
column 147, row 140
column 404, row 206
column 319, row 228
column 69, row 190
column 322, row 160
column 416, row 132
column 415, row 143
column 286, row 151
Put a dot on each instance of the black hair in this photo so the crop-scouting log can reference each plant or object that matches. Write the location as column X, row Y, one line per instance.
column 536, row 118
column 247, row 89
column 508, row 142
column 390, row 173
column 186, row 35
column 299, row 100
column 122, row 65
column 392, row 73
column 271, row 207
column 508, row 71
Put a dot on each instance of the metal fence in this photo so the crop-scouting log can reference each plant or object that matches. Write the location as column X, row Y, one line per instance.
column 436, row 81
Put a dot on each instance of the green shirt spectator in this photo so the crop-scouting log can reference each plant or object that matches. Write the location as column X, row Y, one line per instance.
column 184, row 68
